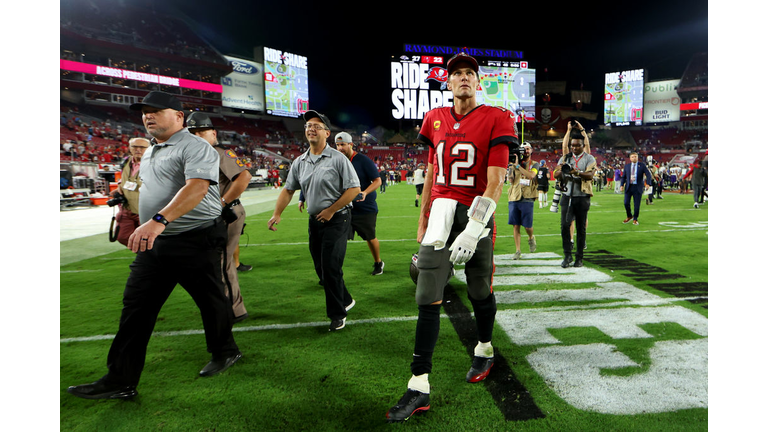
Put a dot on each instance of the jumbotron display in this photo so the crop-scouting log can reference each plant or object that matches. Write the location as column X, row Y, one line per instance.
column 510, row 85
column 624, row 98
column 419, row 84
column 286, row 84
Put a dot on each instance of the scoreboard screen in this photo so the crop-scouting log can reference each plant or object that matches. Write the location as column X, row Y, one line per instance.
column 286, row 86
column 510, row 85
column 624, row 98
column 419, row 84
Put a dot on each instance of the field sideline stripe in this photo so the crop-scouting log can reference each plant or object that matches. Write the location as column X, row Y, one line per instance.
column 659, row 302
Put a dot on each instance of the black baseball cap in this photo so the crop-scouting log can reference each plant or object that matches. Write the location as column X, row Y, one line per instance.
column 159, row 100
column 461, row 57
column 314, row 114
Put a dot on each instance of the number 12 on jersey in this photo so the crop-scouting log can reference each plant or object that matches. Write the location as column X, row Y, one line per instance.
column 458, row 166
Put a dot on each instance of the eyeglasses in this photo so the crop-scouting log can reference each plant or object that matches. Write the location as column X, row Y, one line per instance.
column 315, row 126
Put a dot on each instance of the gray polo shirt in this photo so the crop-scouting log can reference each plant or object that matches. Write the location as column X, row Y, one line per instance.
column 165, row 168
column 581, row 163
column 323, row 178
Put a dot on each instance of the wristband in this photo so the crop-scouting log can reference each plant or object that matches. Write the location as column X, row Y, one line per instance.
column 160, row 218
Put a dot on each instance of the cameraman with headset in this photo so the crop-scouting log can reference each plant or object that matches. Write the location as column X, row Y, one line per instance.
column 575, row 170
column 127, row 193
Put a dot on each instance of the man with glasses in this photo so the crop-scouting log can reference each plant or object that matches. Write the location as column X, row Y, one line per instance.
column 329, row 184
column 128, row 218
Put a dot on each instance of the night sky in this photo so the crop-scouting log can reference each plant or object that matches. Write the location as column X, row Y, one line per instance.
column 349, row 50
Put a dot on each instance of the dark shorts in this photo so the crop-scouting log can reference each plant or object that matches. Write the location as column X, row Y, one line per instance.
column 419, row 188
column 365, row 226
column 521, row 213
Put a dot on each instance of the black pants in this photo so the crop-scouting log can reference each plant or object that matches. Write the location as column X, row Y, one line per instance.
column 328, row 246
column 192, row 260
column 574, row 208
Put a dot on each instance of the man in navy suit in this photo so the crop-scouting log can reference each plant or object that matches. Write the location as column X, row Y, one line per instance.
column 633, row 181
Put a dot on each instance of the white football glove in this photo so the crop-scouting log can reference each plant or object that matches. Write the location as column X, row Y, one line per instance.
column 465, row 244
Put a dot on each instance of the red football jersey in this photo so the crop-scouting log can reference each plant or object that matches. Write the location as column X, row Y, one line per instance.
column 462, row 149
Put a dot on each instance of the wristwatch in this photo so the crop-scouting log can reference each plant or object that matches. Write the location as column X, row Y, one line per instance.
column 160, row 218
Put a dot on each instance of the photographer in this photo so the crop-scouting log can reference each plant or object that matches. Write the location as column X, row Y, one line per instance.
column 127, row 192
column 575, row 171
column 522, row 194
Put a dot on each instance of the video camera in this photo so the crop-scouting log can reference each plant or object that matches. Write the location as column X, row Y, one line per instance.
column 117, row 199
column 519, row 151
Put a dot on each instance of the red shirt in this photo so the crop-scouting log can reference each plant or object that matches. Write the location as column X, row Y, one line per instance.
column 461, row 155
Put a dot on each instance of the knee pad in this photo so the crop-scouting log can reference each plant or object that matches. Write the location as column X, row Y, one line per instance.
column 433, row 274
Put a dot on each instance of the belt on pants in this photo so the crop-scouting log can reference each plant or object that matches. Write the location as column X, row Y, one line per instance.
column 340, row 212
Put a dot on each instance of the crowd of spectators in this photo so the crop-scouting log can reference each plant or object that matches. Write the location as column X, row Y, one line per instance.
column 100, row 135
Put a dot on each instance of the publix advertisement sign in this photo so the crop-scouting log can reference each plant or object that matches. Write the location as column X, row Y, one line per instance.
column 662, row 104
column 244, row 87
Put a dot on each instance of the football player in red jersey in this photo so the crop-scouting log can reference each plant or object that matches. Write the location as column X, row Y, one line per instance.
column 468, row 156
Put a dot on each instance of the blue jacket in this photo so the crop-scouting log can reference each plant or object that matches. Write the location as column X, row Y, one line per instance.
column 643, row 176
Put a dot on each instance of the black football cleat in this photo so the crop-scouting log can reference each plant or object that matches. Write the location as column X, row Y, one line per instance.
column 412, row 402
column 481, row 366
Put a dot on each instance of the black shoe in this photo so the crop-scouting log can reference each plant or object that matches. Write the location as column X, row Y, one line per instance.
column 378, row 268
column 218, row 366
column 481, row 366
column 244, row 267
column 566, row 261
column 240, row 318
column 417, row 203
column 99, row 390
column 337, row 324
column 578, row 263
column 412, row 402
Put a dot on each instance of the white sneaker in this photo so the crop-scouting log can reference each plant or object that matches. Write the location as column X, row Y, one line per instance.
column 516, row 256
column 532, row 244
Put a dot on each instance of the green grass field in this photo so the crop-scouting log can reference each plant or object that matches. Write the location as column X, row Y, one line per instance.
column 619, row 345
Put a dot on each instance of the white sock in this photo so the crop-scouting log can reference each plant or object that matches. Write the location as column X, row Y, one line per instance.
column 484, row 349
column 419, row 383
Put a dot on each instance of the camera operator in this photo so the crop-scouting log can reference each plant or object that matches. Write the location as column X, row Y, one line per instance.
column 521, row 196
column 575, row 170
column 127, row 192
